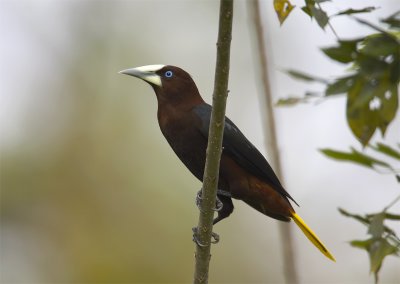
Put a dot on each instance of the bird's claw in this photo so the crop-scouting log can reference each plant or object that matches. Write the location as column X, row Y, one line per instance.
column 218, row 206
column 214, row 238
column 198, row 200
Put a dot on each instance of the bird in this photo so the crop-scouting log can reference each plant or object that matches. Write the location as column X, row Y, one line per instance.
column 184, row 119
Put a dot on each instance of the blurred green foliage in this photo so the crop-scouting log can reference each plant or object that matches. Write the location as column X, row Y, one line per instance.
column 383, row 241
column 371, row 87
column 372, row 84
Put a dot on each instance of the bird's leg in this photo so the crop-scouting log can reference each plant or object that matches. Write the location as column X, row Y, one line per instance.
column 214, row 237
column 226, row 209
column 222, row 213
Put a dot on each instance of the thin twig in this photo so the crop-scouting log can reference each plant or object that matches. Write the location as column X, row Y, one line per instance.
column 271, row 142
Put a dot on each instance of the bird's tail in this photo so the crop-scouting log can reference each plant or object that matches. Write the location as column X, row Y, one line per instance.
column 311, row 235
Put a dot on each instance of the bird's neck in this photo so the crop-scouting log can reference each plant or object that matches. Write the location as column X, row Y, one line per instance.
column 172, row 112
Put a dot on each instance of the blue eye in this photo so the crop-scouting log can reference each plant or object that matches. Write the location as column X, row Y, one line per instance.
column 169, row 74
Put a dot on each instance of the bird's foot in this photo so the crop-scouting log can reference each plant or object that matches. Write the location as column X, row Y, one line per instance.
column 214, row 238
column 218, row 205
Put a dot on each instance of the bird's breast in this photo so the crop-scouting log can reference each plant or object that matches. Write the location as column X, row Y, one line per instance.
column 186, row 140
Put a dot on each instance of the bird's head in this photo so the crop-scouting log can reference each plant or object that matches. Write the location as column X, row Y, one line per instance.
column 170, row 83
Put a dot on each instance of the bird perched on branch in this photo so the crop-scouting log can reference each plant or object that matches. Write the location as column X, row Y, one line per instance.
column 184, row 120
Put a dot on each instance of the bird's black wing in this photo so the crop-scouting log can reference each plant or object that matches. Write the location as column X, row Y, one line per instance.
column 241, row 149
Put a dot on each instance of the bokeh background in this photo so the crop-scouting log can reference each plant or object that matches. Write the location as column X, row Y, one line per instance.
column 91, row 191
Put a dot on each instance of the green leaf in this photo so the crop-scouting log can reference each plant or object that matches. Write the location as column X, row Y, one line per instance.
column 371, row 103
column 398, row 178
column 340, row 86
column 361, row 244
column 390, row 104
column 387, row 150
column 378, row 250
column 357, row 217
column 391, row 216
column 355, row 157
column 320, row 16
column 310, row 6
column 282, row 9
column 356, row 11
column 307, row 10
column 371, row 67
column 393, row 21
column 345, row 52
column 305, row 77
column 291, row 101
column 379, row 45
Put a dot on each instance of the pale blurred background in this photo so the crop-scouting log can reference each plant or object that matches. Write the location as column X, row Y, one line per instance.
column 91, row 191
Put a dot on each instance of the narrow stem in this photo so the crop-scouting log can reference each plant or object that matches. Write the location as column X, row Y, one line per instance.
column 392, row 203
column 214, row 148
column 271, row 142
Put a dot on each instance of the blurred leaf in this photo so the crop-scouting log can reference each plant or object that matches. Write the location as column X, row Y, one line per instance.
column 307, row 8
column 307, row 11
column 389, row 105
column 340, row 86
column 291, row 101
column 371, row 104
column 371, row 67
column 376, row 227
column 320, row 16
column 356, row 11
column 357, row 217
column 387, row 150
column 378, row 250
column 355, row 157
column 372, row 87
column 313, row 9
column 378, row 45
column 391, row 216
column 282, row 9
column 393, row 21
column 361, row 244
column 345, row 52
column 305, row 77
column 398, row 178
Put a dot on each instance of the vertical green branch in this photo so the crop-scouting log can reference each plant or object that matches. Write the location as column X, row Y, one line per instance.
column 214, row 148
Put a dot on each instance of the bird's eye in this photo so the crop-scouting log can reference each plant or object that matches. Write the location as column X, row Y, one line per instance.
column 169, row 74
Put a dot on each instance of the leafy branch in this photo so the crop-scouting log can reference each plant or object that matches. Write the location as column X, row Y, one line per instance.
column 372, row 82
column 366, row 160
column 371, row 87
column 314, row 10
column 382, row 242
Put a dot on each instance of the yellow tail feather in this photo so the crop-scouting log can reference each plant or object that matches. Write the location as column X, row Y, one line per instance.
column 311, row 236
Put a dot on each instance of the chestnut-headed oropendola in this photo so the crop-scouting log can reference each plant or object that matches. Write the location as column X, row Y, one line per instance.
column 184, row 120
